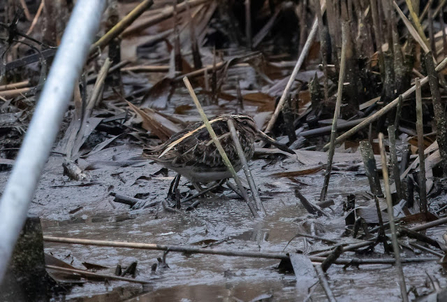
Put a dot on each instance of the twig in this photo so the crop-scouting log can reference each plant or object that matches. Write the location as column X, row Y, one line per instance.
column 36, row 17
column 349, row 247
column 429, row 224
column 315, row 237
column 184, row 249
column 14, row 92
column 327, row 129
column 171, row 248
column 423, row 248
column 324, row 283
column 385, row 109
column 400, row 272
column 251, row 182
column 219, row 146
column 14, row 85
column 310, row 38
column 278, row 145
column 420, row 131
column 91, row 274
column 357, row 261
column 341, row 78
column 310, row 207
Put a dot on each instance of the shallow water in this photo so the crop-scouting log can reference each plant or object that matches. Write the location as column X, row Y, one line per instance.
column 70, row 210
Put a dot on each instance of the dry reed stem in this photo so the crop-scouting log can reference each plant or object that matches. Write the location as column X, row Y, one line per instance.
column 310, row 38
column 421, row 39
column 324, row 283
column 248, row 175
column 341, row 78
column 400, row 272
column 219, row 146
column 122, row 25
column 190, row 250
column 420, row 132
column 385, row 109
column 91, row 274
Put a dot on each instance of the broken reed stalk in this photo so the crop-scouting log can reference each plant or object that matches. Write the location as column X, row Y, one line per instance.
column 429, row 224
column 248, row 23
column 379, row 215
column 323, row 47
column 394, row 162
column 304, row 52
column 251, row 182
column 91, row 274
column 385, row 109
column 421, row 147
column 164, row 13
column 369, row 161
column 14, row 85
column 219, row 146
column 400, row 272
column 426, row 249
column 377, row 33
column 192, row 33
column 122, row 25
column 414, row 32
column 335, row 254
column 98, row 88
column 439, row 111
column 14, row 92
column 324, row 284
column 190, row 250
column 398, row 113
column 341, row 78
column 415, row 19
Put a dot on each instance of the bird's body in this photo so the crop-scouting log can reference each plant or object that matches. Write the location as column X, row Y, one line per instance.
column 193, row 154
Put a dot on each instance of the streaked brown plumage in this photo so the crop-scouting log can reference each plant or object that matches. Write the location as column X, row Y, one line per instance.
column 193, row 154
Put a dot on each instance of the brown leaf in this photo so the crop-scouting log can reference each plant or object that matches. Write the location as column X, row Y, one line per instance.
column 264, row 101
column 154, row 122
column 301, row 172
column 159, row 95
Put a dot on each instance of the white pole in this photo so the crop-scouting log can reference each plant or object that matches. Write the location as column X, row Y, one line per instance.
column 44, row 126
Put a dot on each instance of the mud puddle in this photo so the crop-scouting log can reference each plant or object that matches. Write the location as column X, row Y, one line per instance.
column 79, row 210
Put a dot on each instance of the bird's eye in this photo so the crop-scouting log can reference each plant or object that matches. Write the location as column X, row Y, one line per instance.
column 245, row 123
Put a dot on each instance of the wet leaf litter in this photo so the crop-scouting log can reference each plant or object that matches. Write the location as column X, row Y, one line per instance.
column 361, row 221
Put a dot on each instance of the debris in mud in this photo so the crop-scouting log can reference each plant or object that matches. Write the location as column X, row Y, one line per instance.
column 345, row 76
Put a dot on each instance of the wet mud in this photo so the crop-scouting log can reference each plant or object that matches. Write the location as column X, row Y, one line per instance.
column 223, row 221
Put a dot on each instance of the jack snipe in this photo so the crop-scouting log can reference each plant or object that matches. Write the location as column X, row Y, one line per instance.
column 192, row 153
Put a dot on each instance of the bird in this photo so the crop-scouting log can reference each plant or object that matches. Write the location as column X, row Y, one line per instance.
column 192, row 153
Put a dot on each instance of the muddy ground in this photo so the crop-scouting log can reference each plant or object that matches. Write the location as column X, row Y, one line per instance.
column 238, row 77
column 86, row 210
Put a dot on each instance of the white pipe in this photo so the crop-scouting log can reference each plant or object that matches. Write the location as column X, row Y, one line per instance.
column 44, row 126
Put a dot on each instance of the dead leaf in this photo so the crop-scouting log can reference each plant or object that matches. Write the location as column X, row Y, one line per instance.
column 154, row 122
